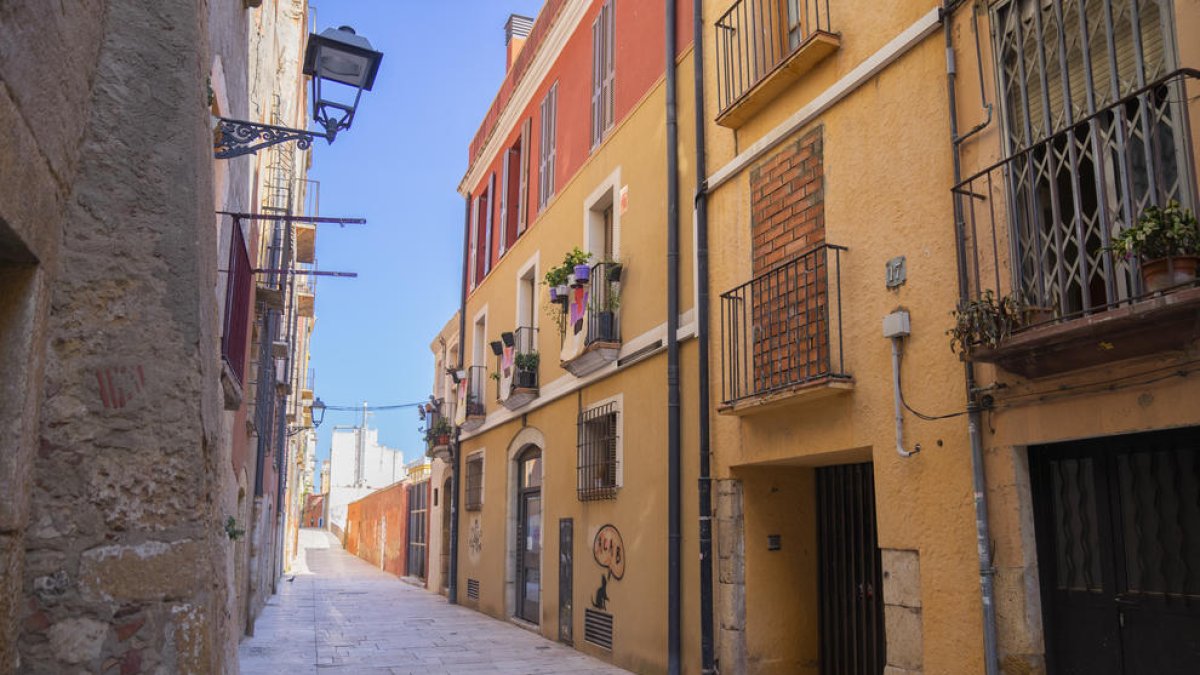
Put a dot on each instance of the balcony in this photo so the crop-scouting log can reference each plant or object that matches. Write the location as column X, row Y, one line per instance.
column 272, row 283
column 592, row 326
column 234, row 333
column 474, row 410
column 306, row 243
column 1037, row 226
column 781, row 335
column 518, row 368
column 438, row 432
column 763, row 47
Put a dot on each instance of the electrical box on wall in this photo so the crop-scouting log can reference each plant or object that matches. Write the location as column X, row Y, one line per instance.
column 774, row 542
column 897, row 272
column 897, row 324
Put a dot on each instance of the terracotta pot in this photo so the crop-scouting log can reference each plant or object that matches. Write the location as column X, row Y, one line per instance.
column 1163, row 273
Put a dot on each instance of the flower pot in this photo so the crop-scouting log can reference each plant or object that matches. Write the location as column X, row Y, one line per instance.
column 1163, row 273
column 563, row 293
column 525, row 379
column 573, row 282
column 443, row 439
column 582, row 273
column 554, row 294
column 605, row 323
column 614, row 272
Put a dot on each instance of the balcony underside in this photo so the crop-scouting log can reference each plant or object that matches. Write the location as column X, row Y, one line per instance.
column 473, row 422
column 306, row 243
column 594, row 357
column 1162, row 323
column 803, row 59
column 805, row 392
column 441, row 452
column 520, row 396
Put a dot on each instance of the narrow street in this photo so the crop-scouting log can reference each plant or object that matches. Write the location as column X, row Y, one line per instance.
column 342, row 615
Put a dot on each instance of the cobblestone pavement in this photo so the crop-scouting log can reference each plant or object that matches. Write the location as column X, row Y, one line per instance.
column 342, row 615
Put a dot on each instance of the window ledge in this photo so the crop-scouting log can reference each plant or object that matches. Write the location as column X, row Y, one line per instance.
column 1166, row 322
column 812, row 390
column 803, row 59
column 520, row 396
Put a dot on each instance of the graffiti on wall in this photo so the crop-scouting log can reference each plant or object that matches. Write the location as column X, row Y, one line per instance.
column 608, row 549
column 475, row 539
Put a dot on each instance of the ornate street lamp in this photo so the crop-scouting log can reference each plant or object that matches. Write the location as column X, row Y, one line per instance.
column 338, row 61
column 318, row 412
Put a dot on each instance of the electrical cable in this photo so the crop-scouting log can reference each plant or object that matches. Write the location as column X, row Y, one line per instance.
column 921, row 415
column 372, row 408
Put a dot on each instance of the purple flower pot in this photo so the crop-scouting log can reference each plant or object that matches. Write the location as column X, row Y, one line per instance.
column 553, row 294
column 582, row 272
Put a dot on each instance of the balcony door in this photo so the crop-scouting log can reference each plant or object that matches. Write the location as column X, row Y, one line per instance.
column 529, row 534
column 1117, row 522
column 1095, row 132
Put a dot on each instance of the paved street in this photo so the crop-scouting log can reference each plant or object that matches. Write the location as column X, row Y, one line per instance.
column 341, row 615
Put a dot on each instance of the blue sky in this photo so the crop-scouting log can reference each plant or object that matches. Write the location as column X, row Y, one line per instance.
column 398, row 167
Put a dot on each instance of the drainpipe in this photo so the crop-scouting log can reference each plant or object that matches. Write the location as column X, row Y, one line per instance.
column 673, row 475
column 987, row 571
column 452, row 585
column 707, row 661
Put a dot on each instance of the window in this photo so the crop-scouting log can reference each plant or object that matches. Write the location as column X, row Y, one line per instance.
column 603, row 66
column 1071, row 184
column 418, row 506
column 474, row 483
column 491, row 225
column 549, row 130
column 479, row 221
column 597, row 453
column 514, row 190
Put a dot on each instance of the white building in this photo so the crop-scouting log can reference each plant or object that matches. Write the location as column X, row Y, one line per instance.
column 358, row 466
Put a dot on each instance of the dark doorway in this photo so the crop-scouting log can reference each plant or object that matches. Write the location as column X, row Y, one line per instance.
column 1118, row 534
column 566, row 583
column 850, row 575
column 529, row 534
column 445, row 553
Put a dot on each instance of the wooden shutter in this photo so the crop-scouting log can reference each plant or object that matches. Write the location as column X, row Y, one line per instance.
column 523, row 185
column 597, row 77
column 503, row 236
column 553, row 141
column 474, row 252
column 610, row 64
column 488, row 224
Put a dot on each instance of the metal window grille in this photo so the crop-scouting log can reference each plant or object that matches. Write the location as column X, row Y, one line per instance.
column 783, row 328
column 546, row 147
column 597, row 453
column 603, row 70
column 754, row 36
column 598, row 628
column 1095, row 129
column 474, row 484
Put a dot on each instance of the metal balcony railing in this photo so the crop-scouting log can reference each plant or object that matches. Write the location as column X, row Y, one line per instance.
column 604, row 296
column 783, row 328
column 476, row 388
column 1037, row 224
column 525, row 345
column 237, row 304
column 755, row 36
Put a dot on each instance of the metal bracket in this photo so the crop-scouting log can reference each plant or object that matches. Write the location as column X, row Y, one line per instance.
column 238, row 137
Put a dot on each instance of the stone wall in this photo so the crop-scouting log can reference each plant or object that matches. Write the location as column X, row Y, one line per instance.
column 115, row 482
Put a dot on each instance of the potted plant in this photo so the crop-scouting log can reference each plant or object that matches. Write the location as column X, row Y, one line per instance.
column 614, row 271
column 606, row 314
column 1167, row 242
column 438, row 434
column 985, row 322
column 527, row 370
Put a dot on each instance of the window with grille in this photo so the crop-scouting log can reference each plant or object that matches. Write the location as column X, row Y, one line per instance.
column 474, row 496
column 603, row 68
column 546, row 152
column 597, row 450
column 1094, row 133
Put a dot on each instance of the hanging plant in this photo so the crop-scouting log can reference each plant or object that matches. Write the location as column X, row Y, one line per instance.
column 986, row 321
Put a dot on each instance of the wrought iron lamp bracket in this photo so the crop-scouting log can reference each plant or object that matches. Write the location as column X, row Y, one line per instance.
column 238, row 137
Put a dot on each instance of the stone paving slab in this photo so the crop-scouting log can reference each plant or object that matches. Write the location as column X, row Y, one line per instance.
column 342, row 615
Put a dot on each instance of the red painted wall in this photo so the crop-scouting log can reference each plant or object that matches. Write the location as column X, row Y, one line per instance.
column 639, row 34
column 365, row 528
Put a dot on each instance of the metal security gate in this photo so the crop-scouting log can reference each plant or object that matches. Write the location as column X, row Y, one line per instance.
column 418, row 525
column 566, row 585
column 850, row 577
column 1118, row 533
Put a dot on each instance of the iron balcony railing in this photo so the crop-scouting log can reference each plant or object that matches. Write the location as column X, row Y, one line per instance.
column 1037, row 225
column 604, row 298
column 525, row 348
column 476, row 389
column 237, row 304
column 783, row 328
column 755, row 36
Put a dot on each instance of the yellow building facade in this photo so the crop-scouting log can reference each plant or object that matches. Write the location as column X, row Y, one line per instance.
column 866, row 492
column 563, row 459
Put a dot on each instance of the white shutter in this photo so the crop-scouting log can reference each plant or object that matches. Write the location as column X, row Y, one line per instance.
column 474, row 248
column 597, row 76
column 610, row 64
column 523, row 184
column 487, row 248
column 553, row 141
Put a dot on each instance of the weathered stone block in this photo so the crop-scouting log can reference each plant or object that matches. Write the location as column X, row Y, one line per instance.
column 77, row 640
column 905, row 647
column 901, row 577
column 153, row 570
column 893, row 670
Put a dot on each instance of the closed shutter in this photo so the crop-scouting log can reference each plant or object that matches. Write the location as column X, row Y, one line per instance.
column 474, row 248
column 490, row 223
column 610, row 64
column 504, row 201
column 597, row 75
column 523, row 185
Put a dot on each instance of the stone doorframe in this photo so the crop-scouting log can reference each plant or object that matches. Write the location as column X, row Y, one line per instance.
column 525, row 438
